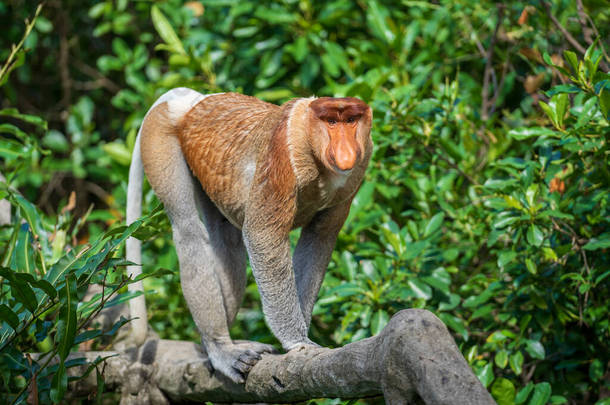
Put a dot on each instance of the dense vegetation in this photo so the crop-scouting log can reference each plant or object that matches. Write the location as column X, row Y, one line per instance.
column 486, row 201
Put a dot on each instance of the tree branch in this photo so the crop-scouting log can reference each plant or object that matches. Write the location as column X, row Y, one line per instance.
column 489, row 70
column 565, row 32
column 413, row 359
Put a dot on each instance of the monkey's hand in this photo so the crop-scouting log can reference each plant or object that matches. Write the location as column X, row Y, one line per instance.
column 235, row 360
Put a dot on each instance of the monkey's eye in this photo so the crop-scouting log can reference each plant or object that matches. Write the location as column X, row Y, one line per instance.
column 331, row 121
column 351, row 120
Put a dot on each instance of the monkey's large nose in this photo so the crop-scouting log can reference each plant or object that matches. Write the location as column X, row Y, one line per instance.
column 346, row 156
column 343, row 152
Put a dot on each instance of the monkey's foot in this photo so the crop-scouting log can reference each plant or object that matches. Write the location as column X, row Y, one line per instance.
column 303, row 345
column 237, row 359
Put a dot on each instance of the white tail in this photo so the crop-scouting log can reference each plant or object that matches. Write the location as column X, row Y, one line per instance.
column 133, row 247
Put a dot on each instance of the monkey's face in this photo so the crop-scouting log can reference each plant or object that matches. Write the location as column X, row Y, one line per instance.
column 339, row 131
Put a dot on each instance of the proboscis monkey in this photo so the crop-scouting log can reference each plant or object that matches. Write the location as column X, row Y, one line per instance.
column 236, row 175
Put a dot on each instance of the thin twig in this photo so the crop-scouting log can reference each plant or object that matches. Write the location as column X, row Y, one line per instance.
column 95, row 74
column 489, row 70
column 570, row 38
column 565, row 32
column 582, row 18
column 585, row 19
column 498, row 88
column 15, row 48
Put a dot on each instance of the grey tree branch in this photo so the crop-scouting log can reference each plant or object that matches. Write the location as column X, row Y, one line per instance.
column 413, row 360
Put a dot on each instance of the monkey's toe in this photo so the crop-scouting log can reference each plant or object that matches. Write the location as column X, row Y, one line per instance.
column 249, row 357
column 235, row 361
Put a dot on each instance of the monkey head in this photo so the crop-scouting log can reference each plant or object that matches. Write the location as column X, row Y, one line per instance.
column 339, row 131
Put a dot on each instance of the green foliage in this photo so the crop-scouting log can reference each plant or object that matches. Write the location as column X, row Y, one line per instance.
column 486, row 200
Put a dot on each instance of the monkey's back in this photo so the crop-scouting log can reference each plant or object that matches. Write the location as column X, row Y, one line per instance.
column 218, row 132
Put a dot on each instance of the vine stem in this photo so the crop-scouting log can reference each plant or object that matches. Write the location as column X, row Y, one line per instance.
column 29, row 25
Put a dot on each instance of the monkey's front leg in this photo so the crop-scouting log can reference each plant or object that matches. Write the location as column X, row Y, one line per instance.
column 313, row 252
column 269, row 251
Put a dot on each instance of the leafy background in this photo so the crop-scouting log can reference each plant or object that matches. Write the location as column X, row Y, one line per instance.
column 486, row 200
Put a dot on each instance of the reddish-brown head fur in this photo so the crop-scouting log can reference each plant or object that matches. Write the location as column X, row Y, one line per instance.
column 340, row 119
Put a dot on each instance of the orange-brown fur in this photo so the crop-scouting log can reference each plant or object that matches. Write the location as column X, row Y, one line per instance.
column 224, row 132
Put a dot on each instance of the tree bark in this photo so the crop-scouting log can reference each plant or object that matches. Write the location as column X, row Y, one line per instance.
column 413, row 360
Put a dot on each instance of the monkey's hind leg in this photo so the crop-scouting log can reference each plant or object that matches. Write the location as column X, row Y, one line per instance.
column 228, row 257
column 209, row 269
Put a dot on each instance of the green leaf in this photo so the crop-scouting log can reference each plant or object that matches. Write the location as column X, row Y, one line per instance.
column 600, row 242
column 59, row 384
column 434, row 224
column 604, row 103
column 562, row 102
column 439, row 279
column 503, row 391
column 486, row 375
column 66, row 330
column 572, row 60
column 419, row 289
column 525, row 132
column 550, row 112
column 535, row 237
column 30, row 119
column 516, row 362
column 505, row 220
column 24, row 260
column 524, row 393
column 482, row 311
column 274, row 94
column 541, row 395
column 379, row 321
column 589, row 109
column 20, row 289
column 33, row 217
column 501, row 358
column 165, row 30
column 531, row 266
column 377, row 18
column 56, row 141
column 454, row 323
column 596, row 370
column 505, row 257
column 535, row 349
column 7, row 315
column 454, row 300
column 87, row 335
column 45, row 286
column 13, row 130
column 118, row 152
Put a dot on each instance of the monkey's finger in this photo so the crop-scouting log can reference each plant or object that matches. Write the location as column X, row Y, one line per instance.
column 249, row 357
column 236, row 376
column 242, row 367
